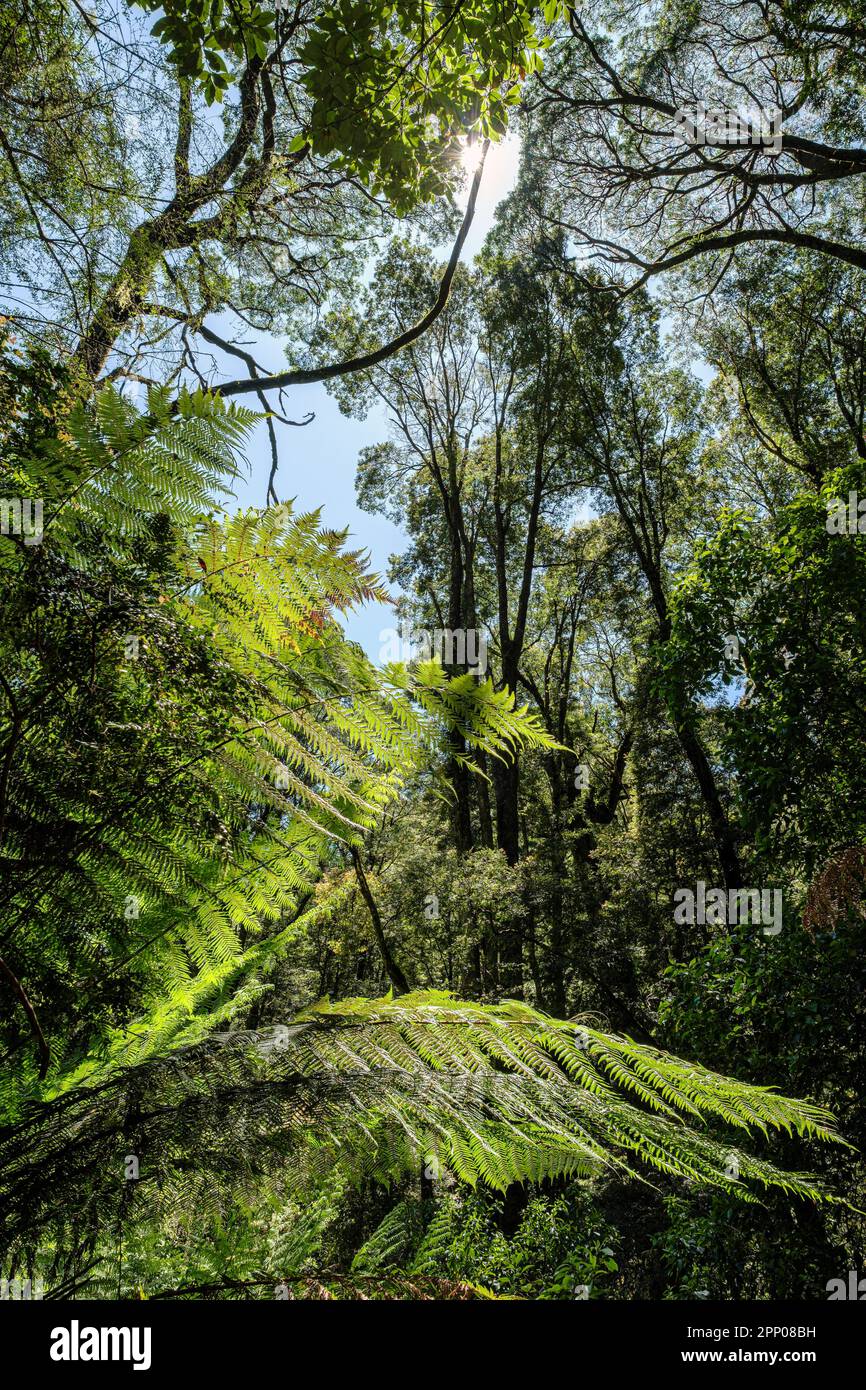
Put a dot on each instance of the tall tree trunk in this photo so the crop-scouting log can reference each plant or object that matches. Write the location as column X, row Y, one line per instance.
column 723, row 837
column 399, row 983
column 649, row 557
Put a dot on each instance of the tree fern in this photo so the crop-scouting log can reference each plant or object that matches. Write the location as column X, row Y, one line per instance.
column 368, row 1090
column 207, row 734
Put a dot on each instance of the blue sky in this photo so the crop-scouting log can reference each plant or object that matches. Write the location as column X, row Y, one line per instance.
column 317, row 463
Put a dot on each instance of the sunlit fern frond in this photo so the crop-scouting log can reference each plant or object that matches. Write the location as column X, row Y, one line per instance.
column 376, row 1089
column 208, row 735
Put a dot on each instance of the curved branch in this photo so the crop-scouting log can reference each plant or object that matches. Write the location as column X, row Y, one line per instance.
column 727, row 241
column 302, row 376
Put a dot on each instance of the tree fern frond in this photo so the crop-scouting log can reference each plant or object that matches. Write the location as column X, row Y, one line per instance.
column 368, row 1089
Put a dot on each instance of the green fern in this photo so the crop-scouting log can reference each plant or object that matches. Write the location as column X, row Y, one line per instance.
column 393, row 1239
column 371, row 1089
column 180, row 806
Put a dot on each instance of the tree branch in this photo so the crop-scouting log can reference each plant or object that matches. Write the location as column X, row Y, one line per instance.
column 395, row 974
column 302, row 376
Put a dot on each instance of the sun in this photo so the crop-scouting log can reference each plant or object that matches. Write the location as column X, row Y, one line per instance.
column 471, row 147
